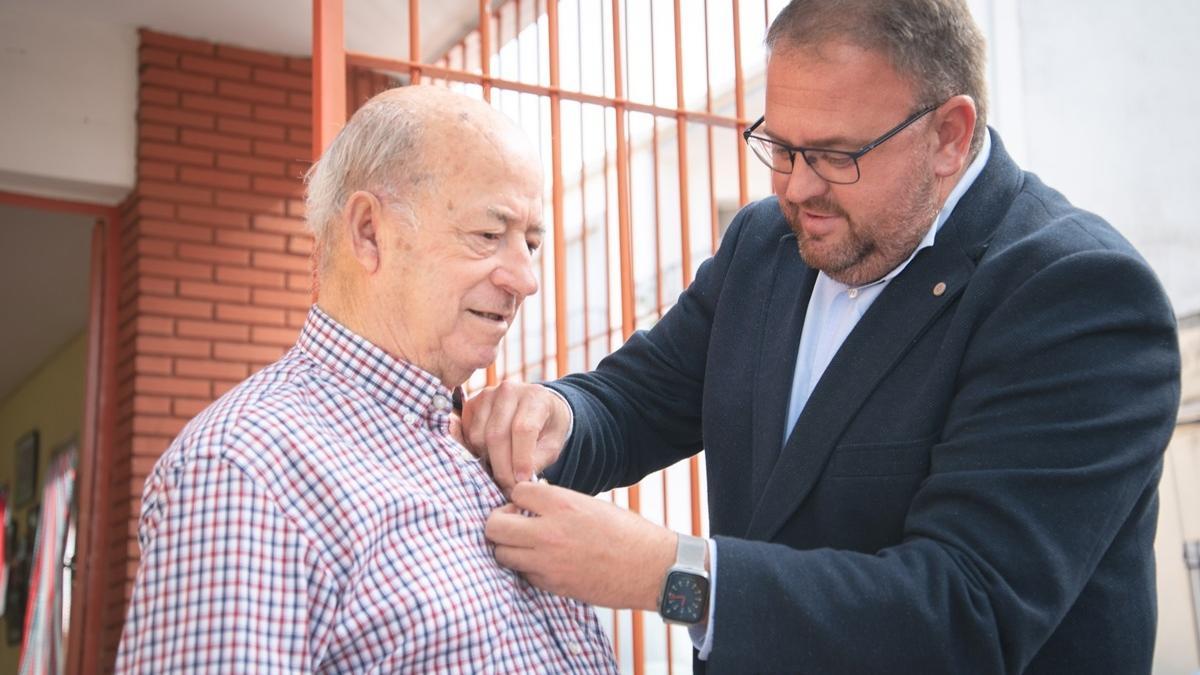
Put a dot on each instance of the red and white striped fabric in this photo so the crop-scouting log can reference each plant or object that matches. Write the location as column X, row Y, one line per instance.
column 320, row 518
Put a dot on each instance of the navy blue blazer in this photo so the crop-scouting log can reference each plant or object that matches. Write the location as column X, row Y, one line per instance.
column 972, row 486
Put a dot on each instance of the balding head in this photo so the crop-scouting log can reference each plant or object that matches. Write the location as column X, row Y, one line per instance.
column 400, row 143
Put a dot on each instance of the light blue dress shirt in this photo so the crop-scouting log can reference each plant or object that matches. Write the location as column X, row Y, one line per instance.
column 833, row 311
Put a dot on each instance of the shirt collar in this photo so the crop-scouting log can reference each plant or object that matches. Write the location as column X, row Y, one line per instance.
column 964, row 183
column 395, row 383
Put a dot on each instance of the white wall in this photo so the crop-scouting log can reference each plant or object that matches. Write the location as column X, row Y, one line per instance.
column 1109, row 103
column 67, row 126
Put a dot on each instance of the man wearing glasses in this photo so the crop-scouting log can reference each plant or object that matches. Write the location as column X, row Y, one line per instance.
column 933, row 394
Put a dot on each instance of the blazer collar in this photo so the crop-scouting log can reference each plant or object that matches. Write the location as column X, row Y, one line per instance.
column 890, row 327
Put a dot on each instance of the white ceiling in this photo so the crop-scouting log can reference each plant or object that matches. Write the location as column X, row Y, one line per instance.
column 44, row 257
column 282, row 26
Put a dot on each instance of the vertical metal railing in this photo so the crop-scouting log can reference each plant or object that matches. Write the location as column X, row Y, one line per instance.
column 591, row 127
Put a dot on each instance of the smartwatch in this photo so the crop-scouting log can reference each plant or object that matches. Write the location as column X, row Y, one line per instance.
column 685, row 593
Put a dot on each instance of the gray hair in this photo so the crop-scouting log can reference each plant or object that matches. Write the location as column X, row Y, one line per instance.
column 378, row 151
column 936, row 43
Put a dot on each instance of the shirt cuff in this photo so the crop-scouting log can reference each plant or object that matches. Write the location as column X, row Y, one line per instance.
column 703, row 641
column 570, row 412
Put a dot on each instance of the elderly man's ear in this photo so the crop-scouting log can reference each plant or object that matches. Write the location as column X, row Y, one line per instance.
column 361, row 228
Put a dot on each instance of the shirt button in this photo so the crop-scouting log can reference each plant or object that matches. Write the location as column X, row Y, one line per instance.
column 441, row 403
column 410, row 418
column 575, row 648
column 853, row 293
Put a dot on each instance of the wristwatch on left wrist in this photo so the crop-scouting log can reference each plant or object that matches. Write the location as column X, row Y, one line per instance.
column 684, row 597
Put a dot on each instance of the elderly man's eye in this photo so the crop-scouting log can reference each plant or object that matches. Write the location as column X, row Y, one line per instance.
column 491, row 236
column 533, row 246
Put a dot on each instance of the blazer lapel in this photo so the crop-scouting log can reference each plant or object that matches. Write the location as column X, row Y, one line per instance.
column 892, row 324
column 779, row 340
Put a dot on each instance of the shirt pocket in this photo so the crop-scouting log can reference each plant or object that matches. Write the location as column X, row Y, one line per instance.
column 903, row 458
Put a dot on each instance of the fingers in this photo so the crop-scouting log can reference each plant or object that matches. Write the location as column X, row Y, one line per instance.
column 507, row 527
column 542, row 498
column 529, row 420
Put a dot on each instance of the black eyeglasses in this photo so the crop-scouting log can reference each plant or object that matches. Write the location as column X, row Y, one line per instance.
column 834, row 166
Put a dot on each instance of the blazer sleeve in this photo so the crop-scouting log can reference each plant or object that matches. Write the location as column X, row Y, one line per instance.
column 639, row 410
column 1052, row 449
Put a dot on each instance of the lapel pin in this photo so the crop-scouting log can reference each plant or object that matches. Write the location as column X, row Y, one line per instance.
column 939, row 288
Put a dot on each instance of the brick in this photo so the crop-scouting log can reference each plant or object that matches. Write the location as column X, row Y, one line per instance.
column 255, row 93
column 299, row 118
column 152, row 405
column 149, row 37
column 233, row 351
column 214, row 178
column 210, row 291
column 213, row 330
column 275, row 298
column 148, row 131
column 279, row 261
column 266, row 167
column 214, row 141
column 158, row 96
column 263, row 316
column 297, row 209
column 162, row 248
column 220, row 388
column 215, row 254
column 215, row 104
column 299, row 65
column 284, row 337
column 150, row 55
column 174, row 79
column 258, row 240
column 154, row 209
column 283, row 80
column 300, row 101
column 270, row 132
column 176, row 117
column 150, row 445
column 285, row 187
column 154, row 325
column 250, row 202
column 174, row 153
column 195, row 309
column 300, row 245
column 253, row 57
column 250, row 277
column 203, row 215
column 300, row 135
column 156, row 286
column 296, row 318
column 151, row 170
column 295, row 152
column 168, row 230
column 277, row 224
column 154, row 424
column 298, row 281
column 175, row 192
column 211, row 369
column 298, row 169
column 174, row 269
column 171, row 346
column 151, row 365
column 216, row 67
column 189, row 407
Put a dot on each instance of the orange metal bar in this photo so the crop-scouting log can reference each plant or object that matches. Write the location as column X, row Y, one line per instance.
column 414, row 40
column 658, row 276
column 685, row 229
column 485, row 65
column 556, row 189
column 328, row 73
column 400, row 65
column 583, row 212
column 739, row 88
column 626, row 262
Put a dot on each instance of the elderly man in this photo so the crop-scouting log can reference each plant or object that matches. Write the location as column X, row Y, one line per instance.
column 320, row 517
column 933, row 394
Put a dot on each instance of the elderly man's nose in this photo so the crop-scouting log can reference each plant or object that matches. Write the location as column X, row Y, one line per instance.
column 515, row 273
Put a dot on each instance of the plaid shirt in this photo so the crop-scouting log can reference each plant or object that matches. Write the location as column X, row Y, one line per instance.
column 320, row 518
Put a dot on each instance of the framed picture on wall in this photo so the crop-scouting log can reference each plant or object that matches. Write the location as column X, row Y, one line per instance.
column 25, row 465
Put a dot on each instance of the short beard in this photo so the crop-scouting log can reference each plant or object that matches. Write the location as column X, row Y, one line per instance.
column 866, row 253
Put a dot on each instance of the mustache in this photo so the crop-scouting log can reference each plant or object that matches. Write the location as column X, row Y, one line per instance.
column 822, row 204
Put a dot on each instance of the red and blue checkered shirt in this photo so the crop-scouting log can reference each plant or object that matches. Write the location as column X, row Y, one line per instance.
column 320, row 518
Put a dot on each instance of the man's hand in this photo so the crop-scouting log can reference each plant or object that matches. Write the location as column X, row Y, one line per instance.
column 518, row 428
column 582, row 547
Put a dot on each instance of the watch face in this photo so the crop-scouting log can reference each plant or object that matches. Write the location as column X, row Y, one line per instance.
column 685, row 598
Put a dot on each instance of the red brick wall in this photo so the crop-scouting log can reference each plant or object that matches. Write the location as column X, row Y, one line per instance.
column 215, row 274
